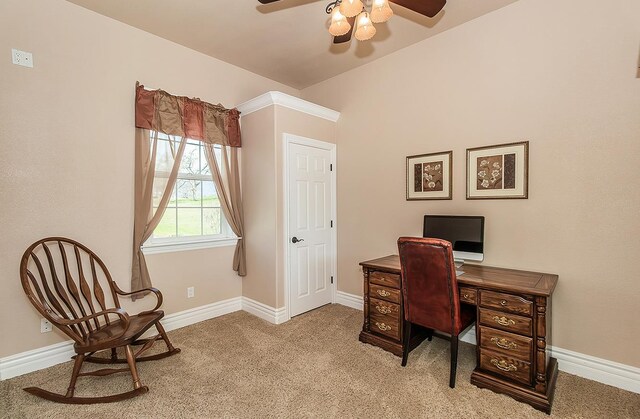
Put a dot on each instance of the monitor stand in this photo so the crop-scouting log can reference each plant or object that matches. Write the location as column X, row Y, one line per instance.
column 459, row 263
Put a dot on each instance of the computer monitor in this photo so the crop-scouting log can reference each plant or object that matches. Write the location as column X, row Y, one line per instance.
column 466, row 234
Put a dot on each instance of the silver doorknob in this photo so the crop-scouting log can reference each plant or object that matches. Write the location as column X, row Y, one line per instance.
column 296, row 240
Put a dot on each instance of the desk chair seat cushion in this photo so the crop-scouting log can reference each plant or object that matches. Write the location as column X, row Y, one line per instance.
column 430, row 287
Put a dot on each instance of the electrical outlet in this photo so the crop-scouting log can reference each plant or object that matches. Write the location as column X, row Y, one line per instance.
column 45, row 325
column 191, row 292
column 22, row 58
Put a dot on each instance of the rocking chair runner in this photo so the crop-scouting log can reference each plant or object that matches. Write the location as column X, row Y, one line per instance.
column 53, row 276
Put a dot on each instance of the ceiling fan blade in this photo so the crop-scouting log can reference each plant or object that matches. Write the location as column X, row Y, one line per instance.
column 428, row 8
column 347, row 36
column 267, row 1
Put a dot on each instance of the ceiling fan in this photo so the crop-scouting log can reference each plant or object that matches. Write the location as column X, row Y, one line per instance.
column 345, row 14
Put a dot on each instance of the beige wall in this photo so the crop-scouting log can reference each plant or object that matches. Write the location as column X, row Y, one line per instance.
column 66, row 132
column 561, row 74
column 259, row 200
column 262, row 162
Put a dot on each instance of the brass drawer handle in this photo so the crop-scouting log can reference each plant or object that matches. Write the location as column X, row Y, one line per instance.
column 383, row 293
column 504, row 365
column 504, row 343
column 383, row 309
column 383, row 326
column 504, row 321
column 465, row 296
column 503, row 303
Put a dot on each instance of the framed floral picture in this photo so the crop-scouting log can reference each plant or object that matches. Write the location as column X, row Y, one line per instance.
column 498, row 171
column 429, row 176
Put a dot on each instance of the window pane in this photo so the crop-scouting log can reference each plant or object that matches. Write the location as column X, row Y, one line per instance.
column 209, row 196
column 189, row 222
column 167, row 226
column 211, row 221
column 190, row 163
column 189, row 192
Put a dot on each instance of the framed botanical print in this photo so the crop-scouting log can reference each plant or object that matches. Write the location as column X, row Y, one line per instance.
column 429, row 176
column 498, row 171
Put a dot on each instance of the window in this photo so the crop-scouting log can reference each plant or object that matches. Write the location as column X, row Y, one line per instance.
column 193, row 214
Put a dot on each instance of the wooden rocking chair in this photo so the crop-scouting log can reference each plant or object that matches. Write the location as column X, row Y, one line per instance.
column 53, row 276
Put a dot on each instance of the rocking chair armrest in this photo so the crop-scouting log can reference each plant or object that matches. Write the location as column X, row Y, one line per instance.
column 153, row 290
column 124, row 317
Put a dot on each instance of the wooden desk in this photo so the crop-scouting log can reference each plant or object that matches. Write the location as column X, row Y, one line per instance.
column 513, row 326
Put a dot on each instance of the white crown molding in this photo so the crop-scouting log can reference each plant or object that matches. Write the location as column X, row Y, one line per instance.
column 265, row 312
column 288, row 101
column 601, row 370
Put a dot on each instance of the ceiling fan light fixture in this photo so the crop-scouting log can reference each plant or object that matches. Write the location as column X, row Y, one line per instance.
column 380, row 11
column 365, row 30
column 339, row 24
column 350, row 8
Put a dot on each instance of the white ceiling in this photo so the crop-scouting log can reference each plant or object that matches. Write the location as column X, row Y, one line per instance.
column 286, row 41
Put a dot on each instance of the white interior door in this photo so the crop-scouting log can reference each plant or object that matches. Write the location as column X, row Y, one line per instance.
column 310, row 239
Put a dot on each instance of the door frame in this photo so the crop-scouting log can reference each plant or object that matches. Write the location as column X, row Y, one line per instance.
column 309, row 142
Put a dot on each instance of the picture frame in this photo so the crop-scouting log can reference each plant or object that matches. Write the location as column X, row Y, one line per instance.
column 429, row 176
column 498, row 171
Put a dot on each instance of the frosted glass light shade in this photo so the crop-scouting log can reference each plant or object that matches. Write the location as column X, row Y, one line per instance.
column 380, row 11
column 350, row 8
column 339, row 24
column 365, row 30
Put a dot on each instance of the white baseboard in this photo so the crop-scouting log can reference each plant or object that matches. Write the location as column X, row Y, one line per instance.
column 469, row 335
column 612, row 373
column 58, row 353
column 601, row 370
column 349, row 300
column 202, row 313
column 37, row 359
column 265, row 312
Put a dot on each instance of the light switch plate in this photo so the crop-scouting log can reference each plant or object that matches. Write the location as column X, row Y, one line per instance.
column 22, row 58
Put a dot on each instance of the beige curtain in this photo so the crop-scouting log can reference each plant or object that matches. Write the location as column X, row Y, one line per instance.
column 227, row 181
column 159, row 111
column 145, row 218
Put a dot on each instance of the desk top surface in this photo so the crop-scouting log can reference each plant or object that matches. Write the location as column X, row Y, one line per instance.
column 489, row 277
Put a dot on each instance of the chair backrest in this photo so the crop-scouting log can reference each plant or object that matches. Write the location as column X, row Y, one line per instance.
column 65, row 280
column 429, row 284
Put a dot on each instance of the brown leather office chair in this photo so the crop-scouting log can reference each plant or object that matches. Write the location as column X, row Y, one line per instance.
column 430, row 292
column 71, row 287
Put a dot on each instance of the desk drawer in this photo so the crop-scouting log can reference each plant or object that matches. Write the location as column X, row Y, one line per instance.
column 384, row 293
column 385, row 278
column 384, row 308
column 508, row 322
column 505, row 366
column 386, row 325
column 468, row 295
column 506, row 302
column 506, row 343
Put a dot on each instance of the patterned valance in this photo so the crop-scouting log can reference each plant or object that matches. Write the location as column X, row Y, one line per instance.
column 160, row 111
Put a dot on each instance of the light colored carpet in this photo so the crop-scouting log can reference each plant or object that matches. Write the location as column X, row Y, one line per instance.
column 239, row 366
